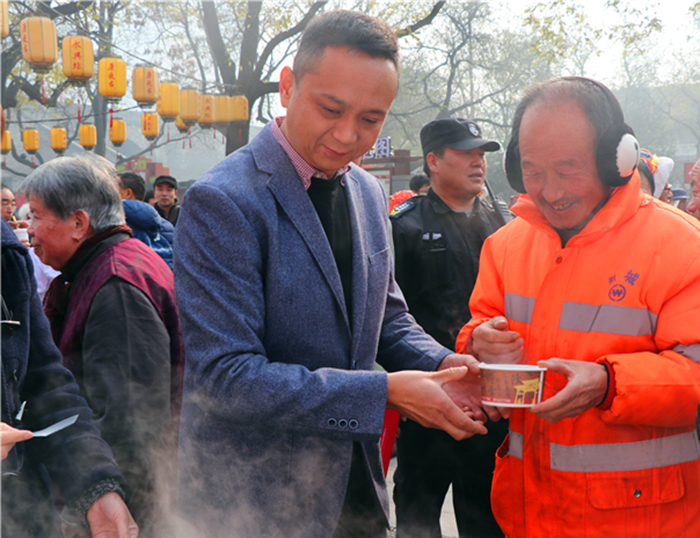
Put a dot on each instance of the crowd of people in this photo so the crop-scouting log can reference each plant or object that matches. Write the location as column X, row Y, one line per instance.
column 227, row 363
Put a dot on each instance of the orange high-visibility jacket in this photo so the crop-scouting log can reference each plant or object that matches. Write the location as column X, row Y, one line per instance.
column 625, row 290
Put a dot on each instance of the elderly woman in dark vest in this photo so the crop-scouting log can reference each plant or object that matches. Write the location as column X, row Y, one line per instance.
column 113, row 316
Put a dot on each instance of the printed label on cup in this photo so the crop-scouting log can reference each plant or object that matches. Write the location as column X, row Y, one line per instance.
column 511, row 385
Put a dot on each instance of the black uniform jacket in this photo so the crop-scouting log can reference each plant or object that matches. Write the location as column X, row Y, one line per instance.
column 437, row 259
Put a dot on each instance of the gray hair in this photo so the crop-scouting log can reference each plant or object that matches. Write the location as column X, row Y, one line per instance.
column 68, row 184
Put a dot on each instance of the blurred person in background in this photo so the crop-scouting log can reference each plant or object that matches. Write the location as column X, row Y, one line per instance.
column 150, row 197
column 8, row 205
column 145, row 222
column 37, row 391
column 419, row 184
column 661, row 168
column 694, row 202
column 165, row 192
column 680, row 199
column 437, row 243
column 113, row 316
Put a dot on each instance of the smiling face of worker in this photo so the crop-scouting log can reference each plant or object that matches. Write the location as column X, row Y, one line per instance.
column 558, row 160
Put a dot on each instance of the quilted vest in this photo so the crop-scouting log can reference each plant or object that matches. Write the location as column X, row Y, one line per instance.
column 135, row 263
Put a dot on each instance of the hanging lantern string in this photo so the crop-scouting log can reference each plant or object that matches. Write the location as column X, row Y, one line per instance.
column 138, row 58
column 68, row 118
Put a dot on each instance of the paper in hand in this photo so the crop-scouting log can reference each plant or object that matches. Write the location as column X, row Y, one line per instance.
column 56, row 427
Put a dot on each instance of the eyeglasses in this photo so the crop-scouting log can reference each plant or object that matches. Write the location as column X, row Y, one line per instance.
column 7, row 202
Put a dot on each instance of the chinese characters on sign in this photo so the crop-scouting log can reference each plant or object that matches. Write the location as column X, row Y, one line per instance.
column 382, row 149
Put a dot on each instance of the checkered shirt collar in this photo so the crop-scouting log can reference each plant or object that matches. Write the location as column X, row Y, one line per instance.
column 304, row 169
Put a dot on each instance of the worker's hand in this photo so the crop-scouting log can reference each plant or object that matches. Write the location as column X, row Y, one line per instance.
column 9, row 436
column 466, row 392
column 421, row 396
column 494, row 343
column 587, row 383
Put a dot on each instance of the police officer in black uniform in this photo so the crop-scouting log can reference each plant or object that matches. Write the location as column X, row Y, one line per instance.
column 437, row 243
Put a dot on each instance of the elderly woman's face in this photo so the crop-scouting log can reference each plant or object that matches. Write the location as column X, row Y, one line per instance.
column 52, row 238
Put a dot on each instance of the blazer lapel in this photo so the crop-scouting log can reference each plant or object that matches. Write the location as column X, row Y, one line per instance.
column 288, row 190
column 360, row 269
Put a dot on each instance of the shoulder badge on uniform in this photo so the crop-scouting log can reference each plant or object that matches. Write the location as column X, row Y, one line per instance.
column 405, row 207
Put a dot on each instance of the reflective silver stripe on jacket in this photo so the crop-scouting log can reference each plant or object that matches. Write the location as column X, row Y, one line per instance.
column 607, row 318
column 691, row 352
column 648, row 454
column 515, row 447
column 519, row 307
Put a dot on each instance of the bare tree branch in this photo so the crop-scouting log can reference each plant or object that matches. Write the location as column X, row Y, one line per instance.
column 279, row 38
column 413, row 28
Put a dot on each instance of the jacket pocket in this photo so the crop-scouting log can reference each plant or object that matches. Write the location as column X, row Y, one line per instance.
column 633, row 489
column 507, row 491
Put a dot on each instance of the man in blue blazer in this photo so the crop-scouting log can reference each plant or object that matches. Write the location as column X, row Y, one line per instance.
column 283, row 277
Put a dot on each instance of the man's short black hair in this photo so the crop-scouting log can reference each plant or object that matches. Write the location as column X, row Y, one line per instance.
column 418, row 182
column 439, row 153
column 133, row 181
column 351, row 29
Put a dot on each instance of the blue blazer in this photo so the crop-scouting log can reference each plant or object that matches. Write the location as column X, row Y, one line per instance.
column 278, row 380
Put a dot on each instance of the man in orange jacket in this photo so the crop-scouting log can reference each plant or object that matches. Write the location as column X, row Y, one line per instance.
column 597, row 282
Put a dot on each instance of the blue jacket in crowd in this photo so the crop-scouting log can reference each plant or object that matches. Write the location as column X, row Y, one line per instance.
column 149, row 227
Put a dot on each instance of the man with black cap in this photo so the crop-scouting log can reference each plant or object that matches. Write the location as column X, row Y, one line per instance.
column 165, row 190
column 437, row 243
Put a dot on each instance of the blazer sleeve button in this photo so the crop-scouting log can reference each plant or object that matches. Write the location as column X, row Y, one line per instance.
column 332, row 422
column 353, row 424
column 342, row 423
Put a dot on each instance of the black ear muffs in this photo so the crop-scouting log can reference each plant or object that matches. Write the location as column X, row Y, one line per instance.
column 617, row 153
column 511, row 165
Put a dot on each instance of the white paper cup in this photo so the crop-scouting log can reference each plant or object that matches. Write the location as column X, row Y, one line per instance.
column 511, row 385
column 21, row 234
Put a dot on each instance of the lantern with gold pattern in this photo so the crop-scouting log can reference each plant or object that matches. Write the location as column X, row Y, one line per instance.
column 4, row 18
column 145, row 86
column 88, row 136
column 149, row 125
column 59, row 140
column 181, row 125
column 30, row 139
column 210, row 114
column 38, row 35
column 112, row 79
column 6, row 142
column 224, row 110
column 78, row 59
column 168, row 106
column 190, row 106
column 117, row 132
column 240, row 108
